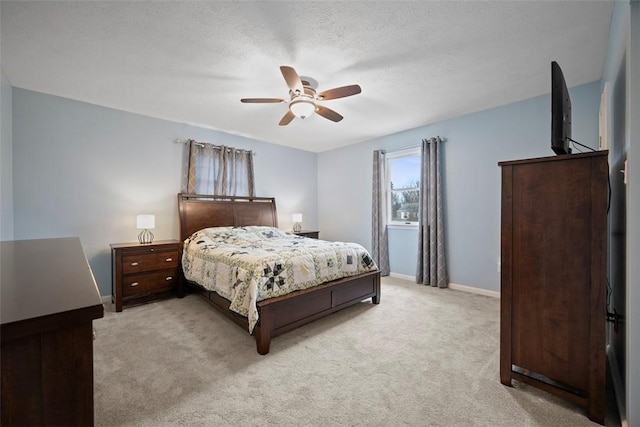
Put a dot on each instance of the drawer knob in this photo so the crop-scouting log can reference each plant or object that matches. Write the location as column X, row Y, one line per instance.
column 134, row 284
column 134, row 264
column 169, row 259
column 168, row 278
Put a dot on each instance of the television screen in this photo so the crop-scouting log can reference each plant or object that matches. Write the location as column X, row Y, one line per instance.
column 560, row 112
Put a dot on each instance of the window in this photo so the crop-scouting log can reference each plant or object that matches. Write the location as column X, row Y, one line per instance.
column 403, row 187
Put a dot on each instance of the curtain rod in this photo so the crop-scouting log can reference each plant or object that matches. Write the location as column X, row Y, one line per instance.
column 414, row 146
column 402, row 148
column 202, row 144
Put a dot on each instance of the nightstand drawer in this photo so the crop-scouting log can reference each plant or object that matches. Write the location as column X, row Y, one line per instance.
column 136, row 263
column 312, row 234
column 137, row 284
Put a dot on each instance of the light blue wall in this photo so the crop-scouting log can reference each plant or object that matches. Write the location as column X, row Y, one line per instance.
column 622, row 76
column 615, row 79
column 633, row 218
column 403, row 243
column 6, row 158
column 84, row 170
column 474, row 145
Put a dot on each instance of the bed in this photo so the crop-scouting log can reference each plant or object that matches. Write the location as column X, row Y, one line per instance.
column 280, row 313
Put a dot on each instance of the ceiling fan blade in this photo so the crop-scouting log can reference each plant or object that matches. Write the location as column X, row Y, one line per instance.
column 262, row 100
column 339, row 92
column 292, row 79
column 286, row 119
column 328, row 114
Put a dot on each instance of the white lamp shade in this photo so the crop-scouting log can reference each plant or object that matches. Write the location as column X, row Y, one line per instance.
column 146, row 221
column 302, row 107
column 297, row 217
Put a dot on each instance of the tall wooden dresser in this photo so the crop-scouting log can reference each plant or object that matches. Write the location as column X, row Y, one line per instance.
column 49, row 300
column 553, row 276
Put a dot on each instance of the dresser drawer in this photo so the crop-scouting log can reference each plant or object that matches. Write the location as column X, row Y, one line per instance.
column 135, row 263
column 160, row 280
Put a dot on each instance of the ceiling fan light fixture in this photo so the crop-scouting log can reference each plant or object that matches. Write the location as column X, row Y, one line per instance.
column 303, row 100
column 302, row 107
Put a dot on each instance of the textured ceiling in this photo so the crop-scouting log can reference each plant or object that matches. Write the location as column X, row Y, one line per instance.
column 191, row 62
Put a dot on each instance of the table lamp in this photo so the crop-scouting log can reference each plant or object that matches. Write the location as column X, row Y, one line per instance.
column 297, row 221
column 146, row 222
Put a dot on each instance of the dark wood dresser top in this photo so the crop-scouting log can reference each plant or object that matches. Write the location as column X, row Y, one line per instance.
column 555, row 158
column 44, row 283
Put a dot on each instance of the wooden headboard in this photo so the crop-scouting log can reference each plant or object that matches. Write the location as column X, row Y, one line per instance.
column 198, row 211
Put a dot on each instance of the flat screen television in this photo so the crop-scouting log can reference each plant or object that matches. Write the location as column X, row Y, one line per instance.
column 560, row 112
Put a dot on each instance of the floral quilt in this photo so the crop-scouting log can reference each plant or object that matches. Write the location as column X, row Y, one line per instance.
column 249, row 264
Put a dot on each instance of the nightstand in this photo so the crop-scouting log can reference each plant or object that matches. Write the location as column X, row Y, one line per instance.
column 307, row 233
column 142, row 273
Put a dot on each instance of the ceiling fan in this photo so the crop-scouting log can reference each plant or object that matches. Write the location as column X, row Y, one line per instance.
column 304, row 100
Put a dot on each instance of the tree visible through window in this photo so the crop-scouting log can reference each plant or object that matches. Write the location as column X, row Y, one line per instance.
column 403, row 171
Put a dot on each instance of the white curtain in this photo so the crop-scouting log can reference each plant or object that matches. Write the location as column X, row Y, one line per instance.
column 431, row 268
column 219, row 170
column 379, row 236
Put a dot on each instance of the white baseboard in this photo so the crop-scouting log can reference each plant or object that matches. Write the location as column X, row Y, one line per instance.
column 616, row 378
column 106, row 299
column 473, row 290
column 456, row 287
column 403, row 276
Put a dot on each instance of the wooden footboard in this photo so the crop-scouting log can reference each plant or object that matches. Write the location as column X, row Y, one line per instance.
column 281, row 314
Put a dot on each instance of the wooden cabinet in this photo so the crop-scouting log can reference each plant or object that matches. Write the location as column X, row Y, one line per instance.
column 312, row 234
column 142, row 273
column 49, row 300
column 553, row 276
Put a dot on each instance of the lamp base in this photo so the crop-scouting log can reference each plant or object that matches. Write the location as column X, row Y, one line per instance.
column 297, row 226
column 145, row 237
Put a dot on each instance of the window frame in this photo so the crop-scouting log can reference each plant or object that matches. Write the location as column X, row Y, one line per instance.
column 408, row 152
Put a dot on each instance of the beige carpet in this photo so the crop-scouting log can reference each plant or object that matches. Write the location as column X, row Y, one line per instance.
column 423, row 357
